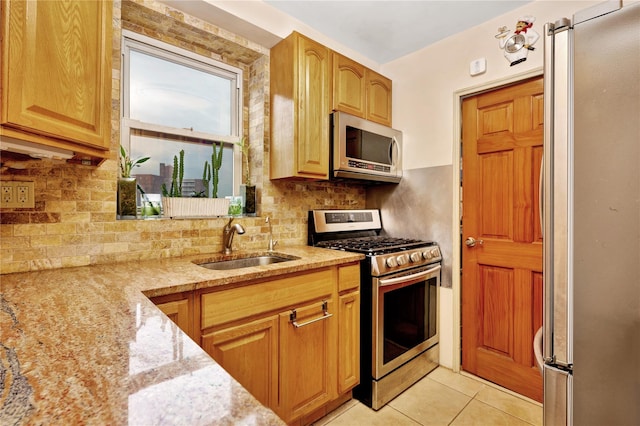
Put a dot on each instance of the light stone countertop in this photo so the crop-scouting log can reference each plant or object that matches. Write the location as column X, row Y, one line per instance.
column 86, row 346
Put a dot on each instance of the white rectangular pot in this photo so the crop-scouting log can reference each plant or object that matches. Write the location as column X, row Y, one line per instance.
column 175, row 207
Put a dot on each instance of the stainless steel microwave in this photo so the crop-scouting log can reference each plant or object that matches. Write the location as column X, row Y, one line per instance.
column 364, row 150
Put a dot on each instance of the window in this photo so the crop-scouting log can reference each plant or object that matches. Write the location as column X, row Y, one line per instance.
column 174, row 100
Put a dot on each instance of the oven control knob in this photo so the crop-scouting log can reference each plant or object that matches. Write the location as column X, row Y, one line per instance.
column 415, row 257
column 426, row 255
column 391, row 262
column 403, row 259
column 435, row 252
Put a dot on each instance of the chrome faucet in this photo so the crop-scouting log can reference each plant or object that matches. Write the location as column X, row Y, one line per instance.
column 272, row 242
column 227, row 235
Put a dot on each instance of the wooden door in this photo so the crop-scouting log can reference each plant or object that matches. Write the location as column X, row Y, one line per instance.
column 502, row 135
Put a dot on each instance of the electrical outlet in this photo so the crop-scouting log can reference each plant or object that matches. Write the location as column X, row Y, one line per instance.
column 24, row 195
column 6, row 193
column 17, row 194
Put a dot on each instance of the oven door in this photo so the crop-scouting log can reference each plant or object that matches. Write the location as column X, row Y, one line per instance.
column 404, row 317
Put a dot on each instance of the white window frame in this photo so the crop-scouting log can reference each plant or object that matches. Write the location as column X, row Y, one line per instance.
column 159, row 49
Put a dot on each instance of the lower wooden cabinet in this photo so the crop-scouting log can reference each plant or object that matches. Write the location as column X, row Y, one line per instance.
column 348, row 341
column 249, row 352
column 178, row 307
column 308, row 359
column 292, row 341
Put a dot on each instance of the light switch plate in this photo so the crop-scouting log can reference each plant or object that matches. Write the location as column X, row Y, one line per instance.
column 478, row 66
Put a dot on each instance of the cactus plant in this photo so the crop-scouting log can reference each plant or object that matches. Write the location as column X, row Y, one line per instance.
column 176, row 177
column 206, row 178
column 216, row 163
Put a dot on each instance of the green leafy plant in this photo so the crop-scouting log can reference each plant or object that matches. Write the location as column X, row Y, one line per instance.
column 127, row 164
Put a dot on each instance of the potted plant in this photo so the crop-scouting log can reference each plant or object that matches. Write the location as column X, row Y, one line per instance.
column 247, row 191
column 127, row 205
column 199, row 205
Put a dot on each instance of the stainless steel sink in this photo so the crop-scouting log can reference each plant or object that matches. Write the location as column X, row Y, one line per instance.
column 246, row 262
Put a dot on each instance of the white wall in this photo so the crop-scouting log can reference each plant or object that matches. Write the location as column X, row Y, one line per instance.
column 425, row 81
column 425, row 84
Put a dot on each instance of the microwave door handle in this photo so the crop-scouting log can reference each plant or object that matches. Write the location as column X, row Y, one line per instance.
column 394, row 144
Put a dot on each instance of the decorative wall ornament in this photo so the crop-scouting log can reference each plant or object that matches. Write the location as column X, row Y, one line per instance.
column 517, row 46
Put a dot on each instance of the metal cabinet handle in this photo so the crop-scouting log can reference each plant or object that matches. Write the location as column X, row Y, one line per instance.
column 325, row 315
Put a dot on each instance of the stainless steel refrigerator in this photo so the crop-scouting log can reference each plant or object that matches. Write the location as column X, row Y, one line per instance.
column 591, row 214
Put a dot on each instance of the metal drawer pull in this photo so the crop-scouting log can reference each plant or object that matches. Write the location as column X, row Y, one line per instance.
column 326, row 314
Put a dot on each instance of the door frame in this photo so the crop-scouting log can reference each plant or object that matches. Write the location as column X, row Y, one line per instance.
column 456, row 241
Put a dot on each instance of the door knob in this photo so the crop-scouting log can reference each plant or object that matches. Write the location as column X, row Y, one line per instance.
column 471, row 242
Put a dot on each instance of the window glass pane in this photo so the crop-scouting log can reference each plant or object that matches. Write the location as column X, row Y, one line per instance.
column 159, row 168
column 171, row 94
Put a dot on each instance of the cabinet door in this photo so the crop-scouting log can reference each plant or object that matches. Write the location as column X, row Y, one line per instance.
column 348, row 341
column 179, row 308
column 378, row 98
column 349, row 86
column 249, row 352
column 308, row 360
column 178, row 312
column 313, row 108
column 57, row 70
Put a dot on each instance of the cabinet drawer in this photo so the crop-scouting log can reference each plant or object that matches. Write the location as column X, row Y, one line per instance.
column 228, row 305
column 348, row 277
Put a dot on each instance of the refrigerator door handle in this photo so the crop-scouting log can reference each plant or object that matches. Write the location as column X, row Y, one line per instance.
column 557, row 193
column 541, row 196
column 546, row 206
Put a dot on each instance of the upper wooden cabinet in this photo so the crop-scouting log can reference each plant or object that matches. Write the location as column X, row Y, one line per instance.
column 359, row 91
column 349, row 86
column 308, row 82
column 378, row 98
column 56, row 74
column 300, row 84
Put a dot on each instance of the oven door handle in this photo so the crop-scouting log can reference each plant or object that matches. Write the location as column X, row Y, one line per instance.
column 409, row 278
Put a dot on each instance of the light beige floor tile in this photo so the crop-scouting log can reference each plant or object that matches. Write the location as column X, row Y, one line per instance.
column 527, row 411
column 481, row 414
column 361, row 415
column 456, row 381
column 337, row 412
column 430, row 403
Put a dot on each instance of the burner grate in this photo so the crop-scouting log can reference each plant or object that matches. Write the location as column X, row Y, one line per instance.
column 369, row 245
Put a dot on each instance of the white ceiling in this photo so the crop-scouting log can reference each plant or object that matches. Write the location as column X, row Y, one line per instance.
column 385, row 30
column 380, row 30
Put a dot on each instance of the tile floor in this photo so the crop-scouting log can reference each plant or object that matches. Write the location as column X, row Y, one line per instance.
column 443, row 398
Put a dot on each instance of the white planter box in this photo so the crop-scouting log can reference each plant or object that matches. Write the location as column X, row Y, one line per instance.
column 194, row 207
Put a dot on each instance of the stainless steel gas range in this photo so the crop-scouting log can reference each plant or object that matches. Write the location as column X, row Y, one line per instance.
column 400, row 285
